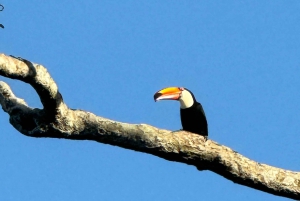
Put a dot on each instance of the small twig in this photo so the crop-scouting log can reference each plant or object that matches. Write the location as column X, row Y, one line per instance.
column 1, row 9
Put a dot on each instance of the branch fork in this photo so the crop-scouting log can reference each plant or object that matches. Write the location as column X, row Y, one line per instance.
column 56, row 120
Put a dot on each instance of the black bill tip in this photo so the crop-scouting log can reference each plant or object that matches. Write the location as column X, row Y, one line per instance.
column 156, row 96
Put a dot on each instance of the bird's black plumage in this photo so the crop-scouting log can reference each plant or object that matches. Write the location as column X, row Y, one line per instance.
column 193, row 119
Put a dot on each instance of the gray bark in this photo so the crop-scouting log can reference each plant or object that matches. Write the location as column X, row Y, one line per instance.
column 56, row 120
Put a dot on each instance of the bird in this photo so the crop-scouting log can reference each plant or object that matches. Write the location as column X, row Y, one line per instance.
column 192, row 115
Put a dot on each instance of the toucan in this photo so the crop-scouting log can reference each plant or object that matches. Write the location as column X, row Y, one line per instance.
column 191, row 112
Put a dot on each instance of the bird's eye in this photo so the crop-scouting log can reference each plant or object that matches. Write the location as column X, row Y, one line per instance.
column 181, row 88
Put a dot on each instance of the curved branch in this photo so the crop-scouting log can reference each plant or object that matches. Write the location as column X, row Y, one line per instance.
column 38, row 77
column 180, row 146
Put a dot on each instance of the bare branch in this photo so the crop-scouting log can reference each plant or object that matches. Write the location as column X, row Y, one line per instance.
column 38, row 77
column 17, row 109
column 180, row 146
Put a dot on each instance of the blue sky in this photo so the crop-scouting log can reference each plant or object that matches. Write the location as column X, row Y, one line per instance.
column 241, row 59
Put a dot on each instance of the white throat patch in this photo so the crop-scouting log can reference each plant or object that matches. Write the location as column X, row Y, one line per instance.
column 186, row 99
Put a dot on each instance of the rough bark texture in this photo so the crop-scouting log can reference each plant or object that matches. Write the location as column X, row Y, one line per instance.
column 56, row 120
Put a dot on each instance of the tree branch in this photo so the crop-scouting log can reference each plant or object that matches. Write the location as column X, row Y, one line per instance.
column 56, row 120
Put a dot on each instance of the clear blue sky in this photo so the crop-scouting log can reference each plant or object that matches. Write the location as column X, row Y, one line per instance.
column 240, row 58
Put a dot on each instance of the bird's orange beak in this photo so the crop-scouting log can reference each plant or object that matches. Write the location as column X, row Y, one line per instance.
column 169, row 93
